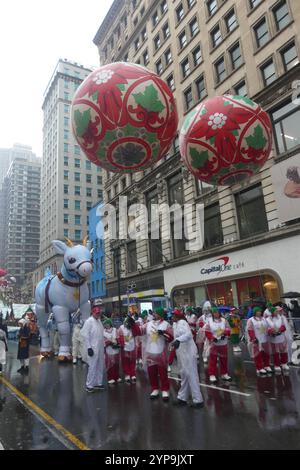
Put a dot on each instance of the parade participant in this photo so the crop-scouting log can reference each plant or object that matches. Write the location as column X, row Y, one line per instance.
column 112, row 352
column 23, row 346
column 277, row 326
column 3, row 349
column 258, row 344
column 268, row 310
column 158, row 334
column 3, row 326
column 234, row 322
column 138, row 340
column 172, row 350
column 288, row 333
column 217, row 331
column 76, row 337
column 192, row 320
column 201, row 340
column 92, row 334
column 186, row 351
column 126, row 341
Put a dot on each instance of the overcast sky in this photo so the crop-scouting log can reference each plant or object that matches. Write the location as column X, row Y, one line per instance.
column 34, row 34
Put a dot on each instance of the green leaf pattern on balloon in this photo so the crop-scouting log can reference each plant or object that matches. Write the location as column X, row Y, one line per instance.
column 149, row 100
column 257, row 140
column 198, row 158
column 245, row 99
column 82, row 121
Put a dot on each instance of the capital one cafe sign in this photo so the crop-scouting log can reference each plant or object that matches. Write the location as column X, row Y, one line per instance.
column 221, row 265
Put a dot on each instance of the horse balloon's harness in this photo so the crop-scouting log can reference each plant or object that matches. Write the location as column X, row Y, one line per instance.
column 66, row 283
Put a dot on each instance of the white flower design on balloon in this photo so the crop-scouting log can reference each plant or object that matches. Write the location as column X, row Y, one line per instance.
column 103, row 76
column 217, row 121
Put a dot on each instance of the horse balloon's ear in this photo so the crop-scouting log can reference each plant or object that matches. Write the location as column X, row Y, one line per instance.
column 59, row 247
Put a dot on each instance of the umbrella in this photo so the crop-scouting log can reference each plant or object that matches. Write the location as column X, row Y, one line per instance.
column 223, row 308
column 290, row 295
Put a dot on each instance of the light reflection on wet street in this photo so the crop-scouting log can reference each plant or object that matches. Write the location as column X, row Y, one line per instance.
column 251, row 412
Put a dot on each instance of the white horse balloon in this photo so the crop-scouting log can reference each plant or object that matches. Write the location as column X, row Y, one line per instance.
column 63, row 294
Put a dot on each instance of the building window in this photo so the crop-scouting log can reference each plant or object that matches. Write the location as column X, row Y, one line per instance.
column 155, row 19
column 188, row 98
column 251, row 212
column 185, row 67
column 88, row 205
column 175, row 189
column 289, row 56
column 261, row 33
column 66, row 203
column 182, row 40
column 66, row 147
column 254, row 3
column 166, row 31
column 131, row 257
column 194, row 28
column 77, row 176
column 77, row 191
column 157, row 42
column 203, row 188
column 216, row 37
column 123, row 184
column 286, row 120
column 281, row 15
column 212, row 7
column 77, row 219
column 171, row 82
column 77, row 205
column 236, row 56
column 66, row 108
column 220, row 70
column 155, row 251
column 89, row 192
column 191, row 3
column 201, row 90
column 168, row 56
column 197, row 56
column 66, row 189
column 66, row 161
column 77, row 163
column 88, row 178
column 66, row 233
column 77, row 234
column 99, row 179
column 240, row 89
column 164, row 7
column 159, row 67
column 178, row 242
column 144, row 34
column 268, row 72
column 100, row 194
column 66, row 175
column 66, row 218
column 135, row 21
column 137, row 44
column 66, row 96
column 231, row 21
column 146, row 57
column 213, row 234
column 179, row 13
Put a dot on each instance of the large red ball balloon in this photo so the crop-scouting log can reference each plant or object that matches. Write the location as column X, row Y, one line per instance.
column 3, row 272
column 124, row 117
column 226, row 139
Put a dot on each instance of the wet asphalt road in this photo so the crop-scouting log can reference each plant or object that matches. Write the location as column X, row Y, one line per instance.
column 249, row 413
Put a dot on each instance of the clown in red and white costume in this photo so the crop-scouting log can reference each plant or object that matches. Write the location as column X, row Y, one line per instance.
column 112, row 352
column 277, row 326
column 258, row 341
column 201, row 340
column 126, row 341
column 217, row 332
column 158, row 334
column 192, row 320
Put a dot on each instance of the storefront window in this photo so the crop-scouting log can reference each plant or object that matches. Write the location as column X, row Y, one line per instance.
column 263, row 287
column 184, row 297
column 220, row 293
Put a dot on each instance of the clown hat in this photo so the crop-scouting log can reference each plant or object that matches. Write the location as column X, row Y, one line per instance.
column 160, row 311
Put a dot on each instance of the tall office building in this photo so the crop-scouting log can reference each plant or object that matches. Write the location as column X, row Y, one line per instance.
column 21, row 196
column 71, row 184
column 203, row 48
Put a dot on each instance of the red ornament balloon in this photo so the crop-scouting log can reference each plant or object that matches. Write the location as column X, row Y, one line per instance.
column 2, row 272
column 226, row 139
column 124, row 117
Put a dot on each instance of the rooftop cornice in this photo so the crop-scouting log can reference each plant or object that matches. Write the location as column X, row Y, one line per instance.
column 106, row 23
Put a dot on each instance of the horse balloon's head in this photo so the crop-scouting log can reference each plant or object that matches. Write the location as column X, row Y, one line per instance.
column 77, row 258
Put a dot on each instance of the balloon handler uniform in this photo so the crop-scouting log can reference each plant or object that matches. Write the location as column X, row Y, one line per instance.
column 92, row 333
column 277, row 326
column 112, row 352
column 217, row 332
column 186, row 350
column 234, row 322
column 126, row 341
column 158, row 334
column 258, row 341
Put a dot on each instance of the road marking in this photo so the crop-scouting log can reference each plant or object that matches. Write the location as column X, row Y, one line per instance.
column 46, row 419
column 218, row 388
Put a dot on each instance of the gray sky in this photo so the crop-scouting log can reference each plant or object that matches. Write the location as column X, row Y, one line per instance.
column 34, row 34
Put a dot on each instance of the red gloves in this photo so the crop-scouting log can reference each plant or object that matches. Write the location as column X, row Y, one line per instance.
column 209, row 335
column 282, row 328
column 227, row 332
column 251, row 335
column 201, row 324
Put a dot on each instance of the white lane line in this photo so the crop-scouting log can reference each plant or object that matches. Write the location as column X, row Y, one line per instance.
column 217, row 388
column 1, row 446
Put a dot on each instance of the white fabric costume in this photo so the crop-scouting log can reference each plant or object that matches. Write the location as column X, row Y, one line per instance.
column 76, row 341
column 187, row 360
column 3, row 342
column 93, row 335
